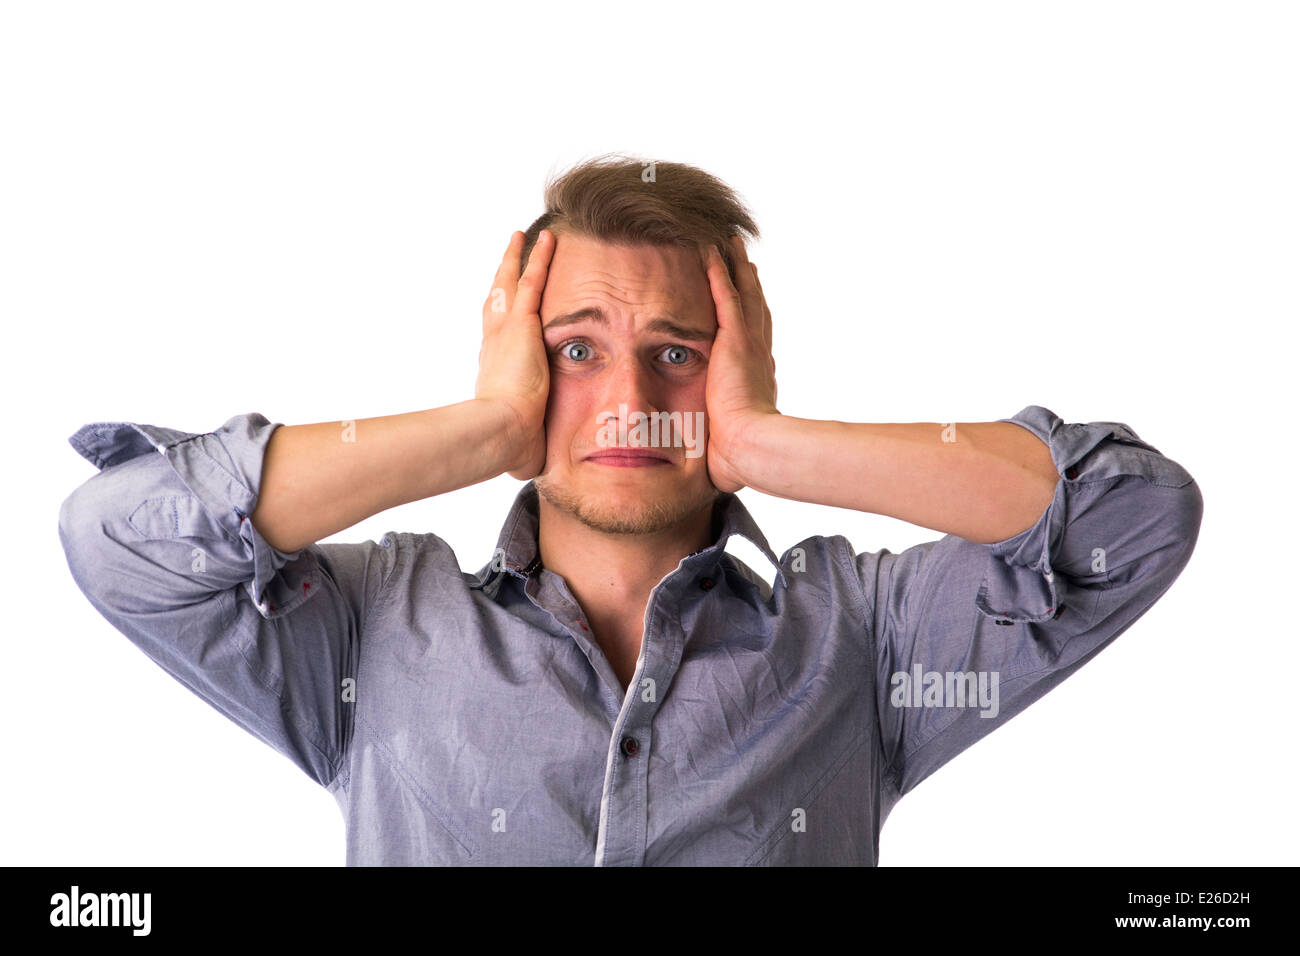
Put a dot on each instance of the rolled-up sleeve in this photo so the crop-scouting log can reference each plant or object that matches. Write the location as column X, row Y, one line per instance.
column 161, row 544
column 1025, row 613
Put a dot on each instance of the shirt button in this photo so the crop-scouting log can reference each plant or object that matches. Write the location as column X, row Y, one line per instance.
column 706, row 584
column 630, row 746
column 1072, row 473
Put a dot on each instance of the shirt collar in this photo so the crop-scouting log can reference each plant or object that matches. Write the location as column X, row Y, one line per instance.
column 517, row 549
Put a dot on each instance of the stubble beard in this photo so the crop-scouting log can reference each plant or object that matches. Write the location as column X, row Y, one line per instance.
column 648, row 517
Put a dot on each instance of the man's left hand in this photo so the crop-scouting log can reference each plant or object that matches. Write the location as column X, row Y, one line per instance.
column 740, row 388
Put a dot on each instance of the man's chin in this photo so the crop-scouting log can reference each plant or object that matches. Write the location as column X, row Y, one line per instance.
column 620, row 507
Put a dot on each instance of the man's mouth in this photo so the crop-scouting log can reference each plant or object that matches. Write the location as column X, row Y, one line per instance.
column 629, row 458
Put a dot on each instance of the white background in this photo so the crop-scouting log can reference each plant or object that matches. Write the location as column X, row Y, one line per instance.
column 967, row 208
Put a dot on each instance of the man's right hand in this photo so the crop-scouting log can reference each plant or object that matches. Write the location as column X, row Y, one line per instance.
column 513, row 368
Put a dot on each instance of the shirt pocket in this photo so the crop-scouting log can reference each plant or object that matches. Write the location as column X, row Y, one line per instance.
column 1123, row 453
column 173, row 516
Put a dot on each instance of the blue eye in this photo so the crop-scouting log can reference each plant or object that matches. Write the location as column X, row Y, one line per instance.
column 679, row 355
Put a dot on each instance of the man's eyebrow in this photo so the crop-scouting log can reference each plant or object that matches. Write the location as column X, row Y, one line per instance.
column 662, row 325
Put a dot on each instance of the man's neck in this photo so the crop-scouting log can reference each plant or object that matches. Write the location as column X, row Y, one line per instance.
column 612, row 575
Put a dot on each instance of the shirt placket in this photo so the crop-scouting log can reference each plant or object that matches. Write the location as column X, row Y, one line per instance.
column 621, row 836
column 623, row 790
column 623, row 822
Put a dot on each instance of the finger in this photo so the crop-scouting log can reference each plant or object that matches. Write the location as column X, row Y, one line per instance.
column 767, row 312
column 726, row 297
column 503, row 283
column 750, row 296
column 508, row 271
column 528, row 296
column 765, row 322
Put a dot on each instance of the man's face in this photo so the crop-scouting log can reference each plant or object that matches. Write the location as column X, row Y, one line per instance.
column 648, row 354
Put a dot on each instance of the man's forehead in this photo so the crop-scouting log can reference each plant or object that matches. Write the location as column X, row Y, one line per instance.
column 584, row 271
column 665, row 324
column 575, row 252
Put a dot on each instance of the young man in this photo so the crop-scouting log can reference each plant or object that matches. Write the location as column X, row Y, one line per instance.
column 613, row 688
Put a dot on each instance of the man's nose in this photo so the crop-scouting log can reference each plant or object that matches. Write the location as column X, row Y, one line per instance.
column 630, row 387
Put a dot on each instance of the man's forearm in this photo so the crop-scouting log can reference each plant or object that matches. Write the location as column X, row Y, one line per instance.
column 987, row 482
column 319, row 479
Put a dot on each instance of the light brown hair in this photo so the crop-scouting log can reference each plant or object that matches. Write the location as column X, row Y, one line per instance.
column 624, row 200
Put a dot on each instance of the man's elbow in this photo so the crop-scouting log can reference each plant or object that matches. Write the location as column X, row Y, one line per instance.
column 81, row 533
column 1170, row 534
column 1187, row 513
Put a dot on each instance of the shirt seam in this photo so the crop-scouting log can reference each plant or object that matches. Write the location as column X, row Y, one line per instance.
column 304, row 726
column 872, row 650
column 849, row 569
column 808, row 799
column 381, row 595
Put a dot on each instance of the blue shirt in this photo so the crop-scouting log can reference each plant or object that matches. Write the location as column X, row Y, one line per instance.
column 465, row 718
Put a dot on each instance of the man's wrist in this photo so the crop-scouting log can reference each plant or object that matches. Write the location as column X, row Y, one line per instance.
column 506, row 447
column 757, row 447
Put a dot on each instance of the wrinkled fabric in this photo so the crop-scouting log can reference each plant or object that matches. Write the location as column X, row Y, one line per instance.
column 463, row 718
